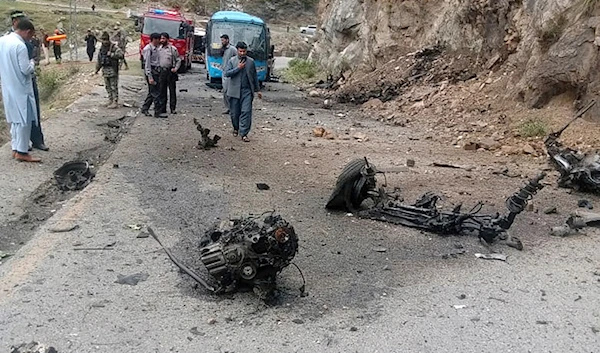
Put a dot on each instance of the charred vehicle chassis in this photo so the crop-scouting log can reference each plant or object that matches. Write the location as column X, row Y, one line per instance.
column 356, row 191
column 577, row 170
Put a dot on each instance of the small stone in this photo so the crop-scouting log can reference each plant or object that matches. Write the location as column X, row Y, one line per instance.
column 353, row 329
column 298, row 321
column 379, row 249
column 471, row 146
column 462, row 296
column 551, row 210
column 410, row 163
column 212, row 321
column 374, row 103
column 528, row 149
column 360, row 136
column 583, row 203
column 489, row 144
column 314, row 93
column 319, row 131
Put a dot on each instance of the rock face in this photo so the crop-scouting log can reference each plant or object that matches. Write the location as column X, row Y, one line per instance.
column 551, row 45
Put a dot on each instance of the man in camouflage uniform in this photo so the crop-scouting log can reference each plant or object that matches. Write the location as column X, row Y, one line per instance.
column 108, row 60
column 120, row 37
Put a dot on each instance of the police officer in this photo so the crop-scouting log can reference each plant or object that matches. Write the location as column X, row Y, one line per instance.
column 170, row 62
column 152, row 72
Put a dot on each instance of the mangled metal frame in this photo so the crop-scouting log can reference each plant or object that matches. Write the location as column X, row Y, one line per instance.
column 357, row 184
column 577, row 170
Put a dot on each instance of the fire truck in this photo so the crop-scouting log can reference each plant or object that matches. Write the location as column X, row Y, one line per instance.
column 180, row 30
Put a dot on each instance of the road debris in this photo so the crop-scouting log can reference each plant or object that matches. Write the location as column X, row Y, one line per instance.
column 72, row 176
column 205, row 141
column 452, row 166
column 460, row 306
column 585, row 204
column 110, row 246
column 357, row 191
column 500, row 257
column 32, row 347
column 379, row 249
column 135, row 226
column 262, row 186
column 64, row 229
column 248, row 253
column 132, row 280
column 551, row 210
column 578, row 171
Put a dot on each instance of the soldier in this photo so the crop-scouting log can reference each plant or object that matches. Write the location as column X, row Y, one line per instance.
column 120, row 37
column 108, row 60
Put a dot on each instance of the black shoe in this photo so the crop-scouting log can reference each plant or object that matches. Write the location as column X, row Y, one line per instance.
column 41, row 147
column 145, row 112
column 173, row 111
column 225, row 112
column 161, row 115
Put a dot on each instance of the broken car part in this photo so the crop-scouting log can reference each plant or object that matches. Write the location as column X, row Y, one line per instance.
column 247, row 253
column 357, row 184
column 578, row 171
column 244, row 253
column 205, row 141
column 75, row 175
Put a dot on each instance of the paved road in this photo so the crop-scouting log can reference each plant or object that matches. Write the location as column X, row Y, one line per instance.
column 406, row 299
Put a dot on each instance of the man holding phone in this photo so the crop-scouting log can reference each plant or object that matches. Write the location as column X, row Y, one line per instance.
column 243, row 84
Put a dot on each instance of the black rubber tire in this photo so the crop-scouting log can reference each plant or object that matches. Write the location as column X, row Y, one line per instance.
column 349, row 175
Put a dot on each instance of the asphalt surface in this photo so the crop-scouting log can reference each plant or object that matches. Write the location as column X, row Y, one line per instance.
column 408, row 298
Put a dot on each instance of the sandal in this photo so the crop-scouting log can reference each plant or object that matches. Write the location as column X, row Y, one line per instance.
column 245, row 139
column 235, row 133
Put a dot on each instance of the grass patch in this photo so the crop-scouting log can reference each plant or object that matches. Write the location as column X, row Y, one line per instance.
column 533, row 128
column 301, row 71
column 51, row 79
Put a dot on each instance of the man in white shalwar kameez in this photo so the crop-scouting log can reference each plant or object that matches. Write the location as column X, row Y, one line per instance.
column 16, row 70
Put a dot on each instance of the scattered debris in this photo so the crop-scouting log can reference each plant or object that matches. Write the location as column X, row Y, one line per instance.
column 452, row 166
column 249, row 253
column 205, row 142
column 353, row 329
column 194, row 331
column 211, row 321
column 110, row 246
column 132, row 280
column 578, row 171
column 183, row 90
column 143, row 235
column 32, row 347
column 322, row 132
column 379, row 249
column 135, row 226
column 361, row 137
column 542, row 322
column 576, row 221
column 460, row 306
column 454, row 253
column 500, row 257
column 298, row 321
column 262, row 186
column 75, row 175
column 64, row 229
column 551, row 210
column 356, row 191
column 585, row 204
column 410, row 163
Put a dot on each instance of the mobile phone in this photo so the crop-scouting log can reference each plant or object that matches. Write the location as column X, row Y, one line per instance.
column 243, row 60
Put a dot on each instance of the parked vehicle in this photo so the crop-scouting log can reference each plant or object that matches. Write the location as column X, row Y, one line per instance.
column 199, row 45
column 239, row 26
column 180, row 30
column 312, row 29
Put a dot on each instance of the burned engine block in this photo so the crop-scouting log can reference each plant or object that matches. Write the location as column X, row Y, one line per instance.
column 357, row 184
column 248, row 253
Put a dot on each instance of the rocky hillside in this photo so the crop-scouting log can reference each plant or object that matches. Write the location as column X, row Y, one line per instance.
column 549, row 46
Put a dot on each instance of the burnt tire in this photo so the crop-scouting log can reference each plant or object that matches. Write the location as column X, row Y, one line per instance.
column 351, row 172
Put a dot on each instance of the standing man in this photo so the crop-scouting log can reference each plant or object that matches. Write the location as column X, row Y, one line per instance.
column 90, row 42
column 93, row 7
column 242, row 86
column 16, row 70
column 33, row 52
column 57, row 47
column 228, row 52
column 169, row 64
column 152, row 72
column 120, row 37
column 108, row 60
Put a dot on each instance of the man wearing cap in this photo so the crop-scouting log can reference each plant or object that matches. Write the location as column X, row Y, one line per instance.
column 228, row 52
column 170, row 62
column 152, row 72
column 242, row 85
column 90, row 42
column 108, row 60
column 16, row 70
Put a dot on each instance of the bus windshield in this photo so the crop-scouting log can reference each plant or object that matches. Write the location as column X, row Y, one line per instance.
column 252, row 34
column 158, row 25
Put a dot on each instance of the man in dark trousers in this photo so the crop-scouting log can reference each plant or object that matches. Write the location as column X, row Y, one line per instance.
column 90, row 43
column 170, row 62
column 152, row 72
column 243, row 84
